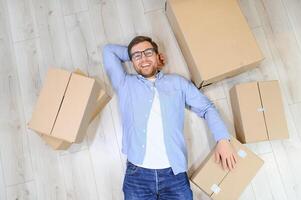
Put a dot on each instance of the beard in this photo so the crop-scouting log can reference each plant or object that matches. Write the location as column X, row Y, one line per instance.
column 151, row 71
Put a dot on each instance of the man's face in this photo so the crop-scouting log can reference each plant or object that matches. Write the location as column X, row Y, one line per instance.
column 145, row 63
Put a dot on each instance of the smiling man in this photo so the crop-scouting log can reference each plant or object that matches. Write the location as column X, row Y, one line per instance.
column 152, row 107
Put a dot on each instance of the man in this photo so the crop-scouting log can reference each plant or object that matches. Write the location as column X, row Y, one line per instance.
column 152, row 107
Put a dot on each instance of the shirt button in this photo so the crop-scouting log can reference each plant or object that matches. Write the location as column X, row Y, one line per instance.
column 142, row 146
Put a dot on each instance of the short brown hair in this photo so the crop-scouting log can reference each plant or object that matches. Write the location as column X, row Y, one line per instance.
column 139, row 39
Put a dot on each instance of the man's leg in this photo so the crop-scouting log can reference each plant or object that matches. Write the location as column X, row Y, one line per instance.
column 139, row 183
column 173, row 187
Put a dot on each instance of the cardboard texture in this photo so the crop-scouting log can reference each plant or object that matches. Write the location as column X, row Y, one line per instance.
column 67, row 103
column 258, row 111
column 222, row 184
column 214, row 37
column 56, row 143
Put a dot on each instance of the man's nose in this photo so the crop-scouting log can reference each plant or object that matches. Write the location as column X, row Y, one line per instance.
column 143, row 57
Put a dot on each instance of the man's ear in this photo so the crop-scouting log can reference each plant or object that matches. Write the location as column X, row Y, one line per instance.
column 158, row 57
column 161, row 60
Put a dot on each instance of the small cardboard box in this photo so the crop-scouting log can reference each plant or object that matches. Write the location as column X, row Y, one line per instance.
column 258, row 111
column 214, row 37
column 220, row 184
column 67, row 103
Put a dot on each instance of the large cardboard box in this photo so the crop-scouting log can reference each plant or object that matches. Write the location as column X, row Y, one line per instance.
column 214, row 37
column 220, row 184
column 258, row 111
column 67, row 103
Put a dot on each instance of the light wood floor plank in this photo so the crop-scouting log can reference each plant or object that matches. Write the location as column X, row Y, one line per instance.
column 14, row 149
column 55, row 49
column 21, row 18
column 74, row 6
column 25, row 191
column 46, row 166
column 2, row 184
column 284, row 46
column 153, row 5
column 79, row 176
column 267, row 184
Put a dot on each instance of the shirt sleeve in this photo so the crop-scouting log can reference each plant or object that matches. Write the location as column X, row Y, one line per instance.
column 113, row 56
column 203, row 107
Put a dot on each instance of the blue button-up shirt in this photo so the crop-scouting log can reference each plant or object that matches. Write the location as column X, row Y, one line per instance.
column 135, row 97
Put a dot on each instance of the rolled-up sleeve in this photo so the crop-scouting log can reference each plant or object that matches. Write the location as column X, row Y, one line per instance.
column 203, row 107
column 113, row 56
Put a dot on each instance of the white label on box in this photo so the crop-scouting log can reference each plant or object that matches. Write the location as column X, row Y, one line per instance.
column 242, row 153
column 260, row 109
column 214, row 188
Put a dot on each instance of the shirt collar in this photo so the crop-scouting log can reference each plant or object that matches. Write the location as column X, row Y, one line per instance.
column 159, row 75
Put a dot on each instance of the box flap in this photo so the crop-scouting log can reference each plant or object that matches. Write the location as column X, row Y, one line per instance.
column 79, row 72
column 214, row 37
column 102, row 100
column 49, row 101
column 77, row 108
column 237, row 180
column 252, row 127
column 273, row 110
column 56, row 144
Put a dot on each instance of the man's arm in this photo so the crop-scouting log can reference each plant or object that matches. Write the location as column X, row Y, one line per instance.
column 113, row 56
column 203, row 107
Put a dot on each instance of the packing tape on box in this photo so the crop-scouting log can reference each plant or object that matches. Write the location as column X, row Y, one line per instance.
column 241, row 153
column 215, row 188
column 260, row 110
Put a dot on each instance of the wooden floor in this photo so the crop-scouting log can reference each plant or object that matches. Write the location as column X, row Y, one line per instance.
column 38, row 34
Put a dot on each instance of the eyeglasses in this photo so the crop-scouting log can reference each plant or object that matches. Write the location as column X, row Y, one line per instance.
column 147, row 53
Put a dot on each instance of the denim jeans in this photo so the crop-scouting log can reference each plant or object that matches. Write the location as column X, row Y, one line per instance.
column 155, row 184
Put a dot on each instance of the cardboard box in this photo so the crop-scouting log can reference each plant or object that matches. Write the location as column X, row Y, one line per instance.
column 214, row 37
column 67, row 103
column 258, row 111
column 56, row 143
column 222, row 184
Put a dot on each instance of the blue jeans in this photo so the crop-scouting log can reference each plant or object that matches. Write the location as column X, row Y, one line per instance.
column 155, row 184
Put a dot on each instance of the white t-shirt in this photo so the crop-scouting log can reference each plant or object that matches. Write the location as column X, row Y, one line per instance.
column 155, row 154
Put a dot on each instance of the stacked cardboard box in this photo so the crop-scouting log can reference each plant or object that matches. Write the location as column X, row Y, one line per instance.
column 222, row 184
column 67, row 103
column 258, row 111
column 214, row 37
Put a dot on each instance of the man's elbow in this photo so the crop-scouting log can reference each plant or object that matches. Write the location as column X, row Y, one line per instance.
column 107, row 48
column 209, row 108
